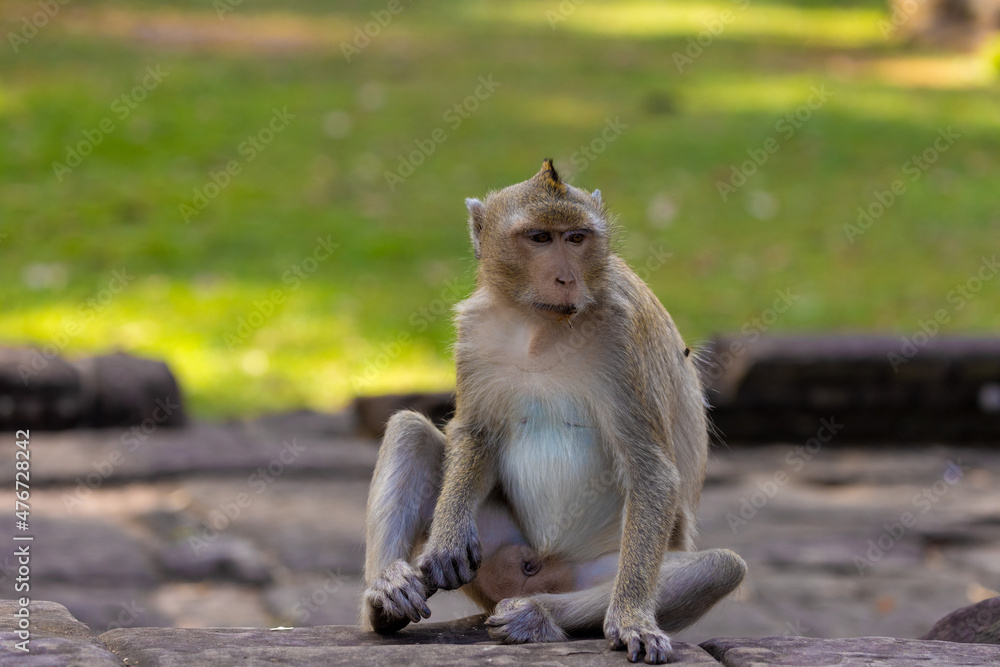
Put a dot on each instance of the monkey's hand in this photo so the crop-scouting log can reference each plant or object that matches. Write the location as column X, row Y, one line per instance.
column 395, row 598
column 449, row 563
column 636, row 633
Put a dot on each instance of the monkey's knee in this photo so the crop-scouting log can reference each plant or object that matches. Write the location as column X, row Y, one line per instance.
column 515, row 570
column 688, row 589
column 410, row 429
column 730, row 570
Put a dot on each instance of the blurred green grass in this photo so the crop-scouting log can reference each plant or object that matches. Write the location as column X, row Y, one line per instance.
column 374, row 316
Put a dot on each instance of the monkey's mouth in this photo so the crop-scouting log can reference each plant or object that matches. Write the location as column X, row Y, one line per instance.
column 559, row 308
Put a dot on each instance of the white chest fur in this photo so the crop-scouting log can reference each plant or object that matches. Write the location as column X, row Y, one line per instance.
column 560, row 480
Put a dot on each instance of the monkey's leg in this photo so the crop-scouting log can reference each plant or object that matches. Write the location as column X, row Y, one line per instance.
column 690, row 583
column 401, row 501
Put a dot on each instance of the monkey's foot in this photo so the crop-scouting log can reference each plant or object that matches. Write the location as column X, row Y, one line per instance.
column 523, row 620
column 638, row 638
column 395, row 598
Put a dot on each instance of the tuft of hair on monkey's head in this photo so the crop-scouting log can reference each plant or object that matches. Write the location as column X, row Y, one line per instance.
column 548, row 178
column 542, row 242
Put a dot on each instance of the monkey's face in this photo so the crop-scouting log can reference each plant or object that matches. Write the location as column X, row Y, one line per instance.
column 542, row 244
column 553, row 264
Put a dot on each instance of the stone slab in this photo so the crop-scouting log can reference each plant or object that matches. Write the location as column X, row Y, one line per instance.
column 87, row 551
column 100, row 457
column 977, row 623
column 852, row 652
column 57, row 639
column 460, row 642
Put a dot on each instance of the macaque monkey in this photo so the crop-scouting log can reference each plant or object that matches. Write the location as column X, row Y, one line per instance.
column 561, row 497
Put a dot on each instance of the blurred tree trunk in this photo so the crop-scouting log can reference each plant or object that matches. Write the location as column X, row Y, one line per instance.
column 959, row 24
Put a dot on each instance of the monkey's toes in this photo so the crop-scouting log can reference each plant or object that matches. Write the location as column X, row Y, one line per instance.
column 523, row 620
column 395, row 598
column 636, row 641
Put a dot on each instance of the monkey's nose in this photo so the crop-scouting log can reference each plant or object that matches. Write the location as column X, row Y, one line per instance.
column 565, row 280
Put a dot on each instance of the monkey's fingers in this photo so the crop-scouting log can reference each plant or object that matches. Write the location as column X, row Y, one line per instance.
column 418, row 603
column 400, row 605
column 444, row 570
column 475, row 553
column 460, row 572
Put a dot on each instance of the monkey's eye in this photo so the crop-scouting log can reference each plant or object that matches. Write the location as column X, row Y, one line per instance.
column 576, row 237
column 540, row 237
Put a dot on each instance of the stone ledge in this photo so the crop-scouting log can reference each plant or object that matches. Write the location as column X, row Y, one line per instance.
column 850, row 652
column 59, row 639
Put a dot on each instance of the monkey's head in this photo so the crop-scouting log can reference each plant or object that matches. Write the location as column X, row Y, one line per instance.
column 542, row 243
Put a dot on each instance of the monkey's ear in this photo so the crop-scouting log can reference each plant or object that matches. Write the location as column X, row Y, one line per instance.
column 596, row 194
column 477, row 214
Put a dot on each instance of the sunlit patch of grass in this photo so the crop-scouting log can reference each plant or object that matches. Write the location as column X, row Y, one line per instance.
column 358, row 324
column 739, row 19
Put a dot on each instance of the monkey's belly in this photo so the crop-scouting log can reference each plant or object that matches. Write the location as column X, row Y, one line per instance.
column 561, row 483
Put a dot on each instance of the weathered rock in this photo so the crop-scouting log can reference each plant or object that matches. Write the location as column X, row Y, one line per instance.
column 104, row 608
column 186, row 554
column 89, row 551
column 374, row 411
column 93, row 458
column 977, row 623
column 877, row 387
column 57, row 639
column 228, row 557
column 41, row 391
column 199, row 605
column 460, row 642
column 38, row 391
column 336, row 424
column 852, row 652
column 130, row 391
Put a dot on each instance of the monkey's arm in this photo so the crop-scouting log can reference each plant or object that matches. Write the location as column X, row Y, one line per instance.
column 645, row 453
column 650, row 508
column 453, row 551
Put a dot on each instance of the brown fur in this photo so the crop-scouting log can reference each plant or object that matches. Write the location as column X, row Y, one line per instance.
column 579, row 434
